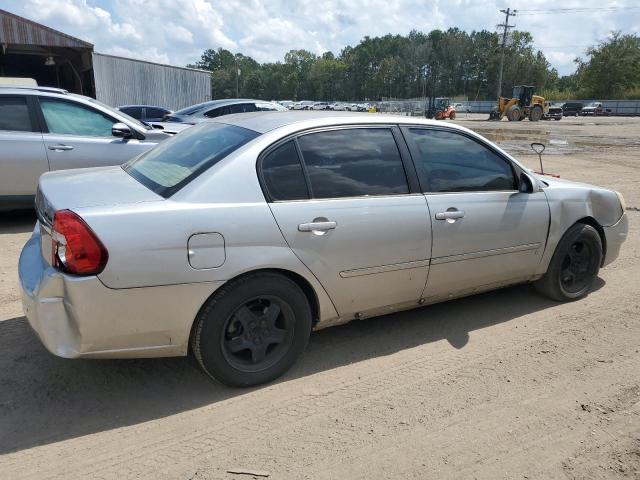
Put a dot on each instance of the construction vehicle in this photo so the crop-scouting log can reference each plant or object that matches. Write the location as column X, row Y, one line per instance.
column 522, row 104
column 440, row 109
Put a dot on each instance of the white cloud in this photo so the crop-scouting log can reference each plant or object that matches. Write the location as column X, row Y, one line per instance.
column 178, row 31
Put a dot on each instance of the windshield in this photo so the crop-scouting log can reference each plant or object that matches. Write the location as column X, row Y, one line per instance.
column 592, row 105
column 172, row 164
column 129, row 118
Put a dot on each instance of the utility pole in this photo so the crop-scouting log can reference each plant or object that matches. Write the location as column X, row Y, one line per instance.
column 508, row 13
column 237, row 76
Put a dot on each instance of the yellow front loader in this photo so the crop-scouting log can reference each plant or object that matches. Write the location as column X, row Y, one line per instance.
column 522, row 104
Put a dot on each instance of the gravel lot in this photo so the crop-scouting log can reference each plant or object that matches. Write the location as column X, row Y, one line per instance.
column 501, row 385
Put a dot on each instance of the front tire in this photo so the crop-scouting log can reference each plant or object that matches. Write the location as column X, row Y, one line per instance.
column 574, row 266
column 252, row 329
column 535, row 114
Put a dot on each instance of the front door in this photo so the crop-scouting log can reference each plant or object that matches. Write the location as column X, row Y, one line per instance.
column 485, row 232
column 347, row 212
column 79, row 136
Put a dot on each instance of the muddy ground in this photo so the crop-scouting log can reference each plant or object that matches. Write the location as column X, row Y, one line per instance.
column 504, row 385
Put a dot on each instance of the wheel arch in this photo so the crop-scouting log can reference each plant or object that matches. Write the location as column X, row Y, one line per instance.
column 303, row 283
column 603, row 239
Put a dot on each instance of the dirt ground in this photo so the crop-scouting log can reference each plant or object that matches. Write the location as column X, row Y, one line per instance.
column 504, row 385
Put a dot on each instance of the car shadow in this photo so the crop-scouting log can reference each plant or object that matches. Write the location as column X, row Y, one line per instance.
column 17, row 221
column 45, row 399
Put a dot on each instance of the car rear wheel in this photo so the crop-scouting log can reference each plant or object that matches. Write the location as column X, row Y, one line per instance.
column 252, row 329
column 574, row 265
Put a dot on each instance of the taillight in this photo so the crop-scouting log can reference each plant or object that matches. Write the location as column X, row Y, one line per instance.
column 76, row 249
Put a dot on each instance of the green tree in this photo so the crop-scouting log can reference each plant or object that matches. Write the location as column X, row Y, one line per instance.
column 612, row 68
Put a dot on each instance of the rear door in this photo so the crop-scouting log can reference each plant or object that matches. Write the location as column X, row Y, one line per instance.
column 342, row 200
column 79, row 136
column 485, row 231
column 22, row 153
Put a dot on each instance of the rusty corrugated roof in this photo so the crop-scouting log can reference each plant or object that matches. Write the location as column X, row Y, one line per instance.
column 16, row 30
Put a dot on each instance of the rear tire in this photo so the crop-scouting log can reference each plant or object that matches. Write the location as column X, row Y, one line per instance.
column 574, row 265
column 452, row 116
column 252, row 329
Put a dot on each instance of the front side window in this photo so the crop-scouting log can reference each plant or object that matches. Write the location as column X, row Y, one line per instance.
column 175, row 162
column 282, row 174
column 353, row 162
column 14, row 114
column 67, row 118
column 135, row 112
column 451, row 162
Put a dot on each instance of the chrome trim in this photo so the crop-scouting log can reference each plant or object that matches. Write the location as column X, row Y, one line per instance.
column 383, row 268
column 485, row 253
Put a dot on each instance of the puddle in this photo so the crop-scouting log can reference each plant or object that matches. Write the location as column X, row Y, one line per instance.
column 519, row 141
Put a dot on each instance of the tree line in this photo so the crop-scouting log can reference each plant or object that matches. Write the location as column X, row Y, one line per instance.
column 438, row 63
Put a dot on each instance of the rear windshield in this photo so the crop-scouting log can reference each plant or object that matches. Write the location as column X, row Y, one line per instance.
column 172, row 164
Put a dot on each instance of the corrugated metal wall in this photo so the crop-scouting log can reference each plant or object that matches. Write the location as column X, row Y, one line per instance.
column 124, row 81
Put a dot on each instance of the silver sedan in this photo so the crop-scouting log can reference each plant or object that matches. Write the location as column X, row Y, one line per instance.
column 236, row 238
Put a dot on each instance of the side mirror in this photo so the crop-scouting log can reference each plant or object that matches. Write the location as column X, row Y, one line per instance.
column 121, row 130
column 526, row 184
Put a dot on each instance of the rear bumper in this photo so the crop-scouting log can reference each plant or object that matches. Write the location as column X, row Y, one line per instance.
column 80, row 317
column 615, row 235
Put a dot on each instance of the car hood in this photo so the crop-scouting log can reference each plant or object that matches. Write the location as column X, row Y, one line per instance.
column 88, row 187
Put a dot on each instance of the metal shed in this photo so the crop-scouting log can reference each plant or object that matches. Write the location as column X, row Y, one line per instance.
column 55, row 59
column 122, row 81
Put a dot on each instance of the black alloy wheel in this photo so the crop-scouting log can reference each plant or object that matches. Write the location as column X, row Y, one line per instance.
column 258, row 334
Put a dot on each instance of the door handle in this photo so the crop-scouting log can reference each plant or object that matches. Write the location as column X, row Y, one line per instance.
column 450, row 215
column 60, row 148
column 317, row 226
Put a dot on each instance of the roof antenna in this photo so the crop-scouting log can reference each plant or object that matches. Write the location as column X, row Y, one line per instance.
column 539, row 148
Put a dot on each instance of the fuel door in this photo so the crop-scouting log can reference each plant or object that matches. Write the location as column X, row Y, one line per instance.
column 206, row 250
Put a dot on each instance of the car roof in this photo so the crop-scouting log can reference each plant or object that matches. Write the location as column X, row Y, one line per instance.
column 16, row 89
column 263, row 122
column 145, row 106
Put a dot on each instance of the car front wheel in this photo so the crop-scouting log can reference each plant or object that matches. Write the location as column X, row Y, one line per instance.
column 252, row 329
column 574, row 265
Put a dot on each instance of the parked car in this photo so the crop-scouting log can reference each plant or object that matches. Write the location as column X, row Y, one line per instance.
column 554, row 112
column 43, row 129
column 217, row 108
column 303, row 105
column 189, row 116
column 351, row 107
column 234, row 240
column 338, row 107
column 571, row 109
column 288, row 104
column 146, row 113
column 320, row 106
column 594, row 109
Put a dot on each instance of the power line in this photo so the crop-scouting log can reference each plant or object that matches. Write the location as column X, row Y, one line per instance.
column 555, row 11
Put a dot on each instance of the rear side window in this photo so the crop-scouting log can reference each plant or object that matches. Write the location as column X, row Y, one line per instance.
column 173, row 163
column 69, row 118
column 282, row 174
column 451, row 162
column 353, row 162
column 14, row 114
column 216, row 112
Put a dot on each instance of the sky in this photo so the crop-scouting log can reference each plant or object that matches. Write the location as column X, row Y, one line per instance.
column 178, row 31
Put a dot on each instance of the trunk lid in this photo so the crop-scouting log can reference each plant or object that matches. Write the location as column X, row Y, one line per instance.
column 86, row 187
